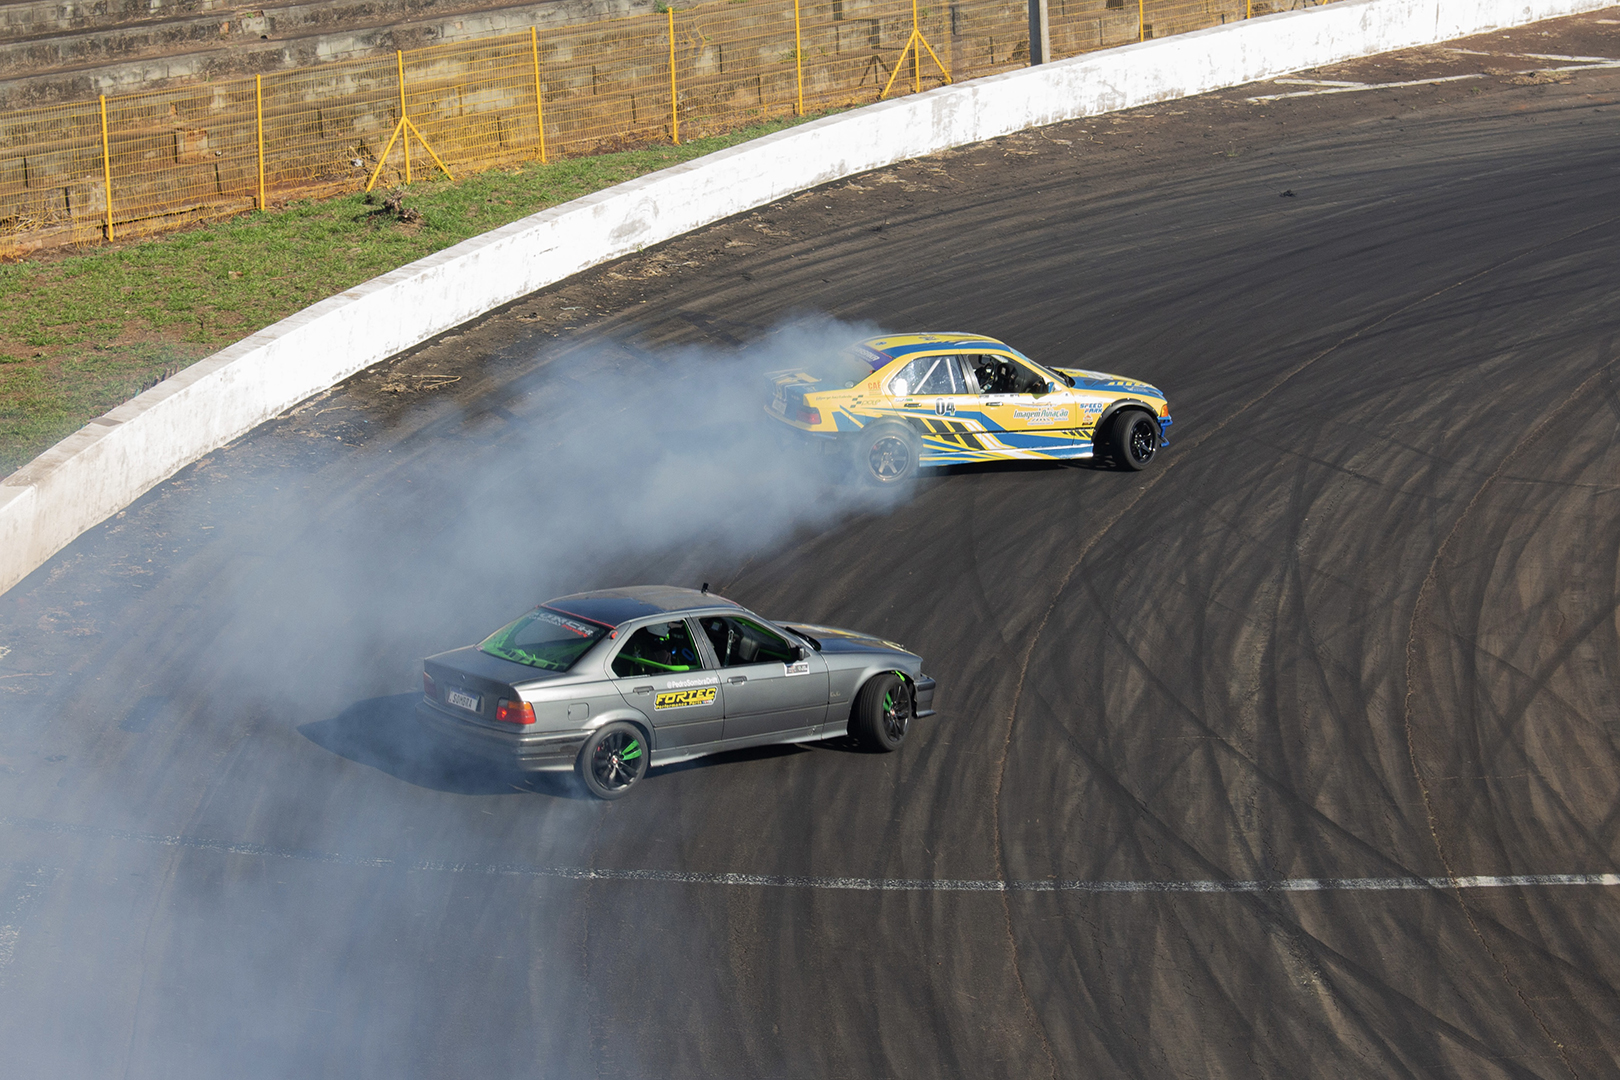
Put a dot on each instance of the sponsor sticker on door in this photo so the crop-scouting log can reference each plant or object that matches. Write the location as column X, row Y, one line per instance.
column 800, row 668
column 1044, row 415
column 681, row 699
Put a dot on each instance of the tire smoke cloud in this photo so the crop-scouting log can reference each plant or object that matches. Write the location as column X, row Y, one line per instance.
column 333, row 571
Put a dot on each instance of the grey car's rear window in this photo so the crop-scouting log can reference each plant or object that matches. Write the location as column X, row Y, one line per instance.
column 544, row 639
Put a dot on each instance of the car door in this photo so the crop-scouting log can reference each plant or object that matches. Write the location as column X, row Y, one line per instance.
column 768, row 689
column 1016, row 402
column 661, row 672
column 932, row 390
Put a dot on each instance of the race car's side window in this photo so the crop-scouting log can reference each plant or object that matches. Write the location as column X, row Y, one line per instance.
column 994, row 373
column 657, row 649
column 930, row 375
column 744, row 641
column 1001, row 375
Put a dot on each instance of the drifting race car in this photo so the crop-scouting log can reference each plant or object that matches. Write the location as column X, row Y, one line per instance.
column 610, row 683
column 893, row 404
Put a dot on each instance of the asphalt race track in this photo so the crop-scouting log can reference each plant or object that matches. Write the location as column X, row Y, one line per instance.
column 1203, row 731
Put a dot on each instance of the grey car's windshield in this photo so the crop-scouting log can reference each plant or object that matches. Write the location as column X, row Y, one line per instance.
column 544, row 639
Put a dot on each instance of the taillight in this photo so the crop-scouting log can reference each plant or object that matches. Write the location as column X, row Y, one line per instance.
column 806, row 414
column 429, row 688
column 514, row 712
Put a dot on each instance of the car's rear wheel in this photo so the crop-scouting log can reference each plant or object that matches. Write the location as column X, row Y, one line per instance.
column 612, row 760
column 1135, row 439
column 886, row 455
column 882, row 713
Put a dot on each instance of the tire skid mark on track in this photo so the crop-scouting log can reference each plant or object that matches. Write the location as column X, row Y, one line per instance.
column 1419, row 616
column 1106, row 526
column 591, row 874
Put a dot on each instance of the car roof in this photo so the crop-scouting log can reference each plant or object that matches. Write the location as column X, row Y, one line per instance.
column 895, row 346
column 615, row 607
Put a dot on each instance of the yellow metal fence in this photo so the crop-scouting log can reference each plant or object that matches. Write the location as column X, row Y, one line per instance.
column 137, row 164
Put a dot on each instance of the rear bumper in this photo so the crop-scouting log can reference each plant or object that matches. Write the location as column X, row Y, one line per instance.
column 789, row 434
column 924, row 692
column 545, row 751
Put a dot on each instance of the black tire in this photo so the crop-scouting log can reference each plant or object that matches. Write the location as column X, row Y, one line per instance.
column 1134, row 439
column 881, row 715
column 885, row 455
column 612, row 760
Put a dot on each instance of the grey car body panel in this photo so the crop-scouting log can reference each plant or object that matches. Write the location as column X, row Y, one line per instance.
column 771, row 707
column 852, row 658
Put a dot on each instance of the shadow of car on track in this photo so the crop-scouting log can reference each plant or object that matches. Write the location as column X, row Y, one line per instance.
column 977, row 468
column 843, row 744
column 384, row 734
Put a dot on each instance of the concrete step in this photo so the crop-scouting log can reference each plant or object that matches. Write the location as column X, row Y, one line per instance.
column 188, row 42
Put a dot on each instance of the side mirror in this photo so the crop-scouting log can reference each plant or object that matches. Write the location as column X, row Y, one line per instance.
column 801, row 652
column 1051, row 388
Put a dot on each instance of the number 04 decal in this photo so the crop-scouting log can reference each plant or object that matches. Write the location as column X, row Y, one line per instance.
column 944, row 407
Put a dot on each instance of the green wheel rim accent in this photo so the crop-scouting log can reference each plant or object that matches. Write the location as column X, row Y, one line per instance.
column 896, row 715
column 616, row 761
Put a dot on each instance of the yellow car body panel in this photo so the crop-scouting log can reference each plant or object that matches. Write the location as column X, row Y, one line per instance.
column 966, row 397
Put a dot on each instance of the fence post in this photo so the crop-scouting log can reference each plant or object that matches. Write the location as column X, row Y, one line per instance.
column 916, row 53
column 798, row 54
column 106, row 164
column 1040, row 33
column 674, row 110
column 539, row 109
column 258, row 110
column 1248, row 9
column 399, row 55
column 1141, row 20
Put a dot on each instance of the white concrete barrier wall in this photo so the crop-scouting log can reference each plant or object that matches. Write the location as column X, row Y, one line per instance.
column 102, row 468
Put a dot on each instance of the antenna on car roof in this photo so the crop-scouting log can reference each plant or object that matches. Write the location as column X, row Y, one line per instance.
column 705, row 588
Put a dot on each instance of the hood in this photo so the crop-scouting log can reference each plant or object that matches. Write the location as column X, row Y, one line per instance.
column 835, row 639
column 1102, row 380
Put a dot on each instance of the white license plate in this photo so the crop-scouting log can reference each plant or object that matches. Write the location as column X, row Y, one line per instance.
column 462, row 700
column 778, row 405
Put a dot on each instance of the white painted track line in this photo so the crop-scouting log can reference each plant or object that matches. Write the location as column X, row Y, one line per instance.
column 1330, row 86
column 839, row 884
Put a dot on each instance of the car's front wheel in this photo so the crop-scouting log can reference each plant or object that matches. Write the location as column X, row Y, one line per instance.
column 612, row 760
column 1135, row 439
column 886, row 455
column 882, row 713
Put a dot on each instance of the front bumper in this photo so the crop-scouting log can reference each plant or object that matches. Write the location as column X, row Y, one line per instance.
column 923, row 695
column 541, row 751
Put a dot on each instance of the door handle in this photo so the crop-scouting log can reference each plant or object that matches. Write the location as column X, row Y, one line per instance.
column 735, row 679
column 644, row 689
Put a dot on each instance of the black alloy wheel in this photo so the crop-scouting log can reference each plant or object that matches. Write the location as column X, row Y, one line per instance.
column 1136, row 439
column 881, row 715
column 886, row 455
column 612, row 760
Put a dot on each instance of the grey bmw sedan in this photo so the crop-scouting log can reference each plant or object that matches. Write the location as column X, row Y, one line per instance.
column 613, row 682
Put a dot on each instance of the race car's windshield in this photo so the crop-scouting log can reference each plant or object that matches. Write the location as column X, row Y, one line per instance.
column 544, row 639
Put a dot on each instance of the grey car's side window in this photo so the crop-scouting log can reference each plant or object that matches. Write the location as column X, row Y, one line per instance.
column 743, row 641
column 657, row 649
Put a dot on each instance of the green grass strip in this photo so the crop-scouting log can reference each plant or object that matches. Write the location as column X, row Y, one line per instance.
column 83, row 331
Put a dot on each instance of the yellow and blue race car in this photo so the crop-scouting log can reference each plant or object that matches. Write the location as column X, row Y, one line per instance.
column 897, row 403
